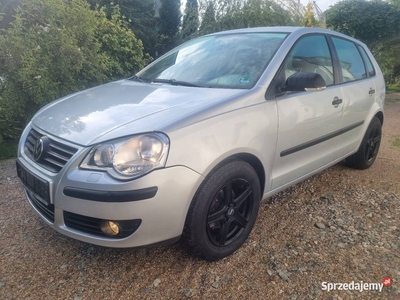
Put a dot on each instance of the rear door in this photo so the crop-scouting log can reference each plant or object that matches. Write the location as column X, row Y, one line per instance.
column 309, row 122
column 358, row 89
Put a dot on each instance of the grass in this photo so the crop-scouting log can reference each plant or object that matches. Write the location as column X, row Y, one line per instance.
column 390, row 89
column 396, row 142
column 393, row 88
column 392, row 100
column 8, row 149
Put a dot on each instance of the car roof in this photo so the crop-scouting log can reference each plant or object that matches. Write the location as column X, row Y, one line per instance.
column 298, row 31
column 287, row 29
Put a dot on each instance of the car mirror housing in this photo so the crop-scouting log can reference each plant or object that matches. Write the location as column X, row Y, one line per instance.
column 304, row 81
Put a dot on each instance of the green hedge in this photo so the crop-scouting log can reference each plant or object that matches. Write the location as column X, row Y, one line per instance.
column 56, row 47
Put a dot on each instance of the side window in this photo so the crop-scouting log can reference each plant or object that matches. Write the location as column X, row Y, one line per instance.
column 350, row 60
column 310, row 54
column 367, row 60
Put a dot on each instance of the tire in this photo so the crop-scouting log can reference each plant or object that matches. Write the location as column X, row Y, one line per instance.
column 368, row 151
column 223, row 211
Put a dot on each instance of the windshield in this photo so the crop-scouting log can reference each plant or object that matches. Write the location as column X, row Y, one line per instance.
column 220, row 61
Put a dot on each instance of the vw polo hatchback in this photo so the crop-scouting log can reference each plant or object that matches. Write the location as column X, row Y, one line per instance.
column 188, row 147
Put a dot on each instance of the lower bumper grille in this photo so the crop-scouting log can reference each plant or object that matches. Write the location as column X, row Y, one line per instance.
column 47, row 211
column 93, row 225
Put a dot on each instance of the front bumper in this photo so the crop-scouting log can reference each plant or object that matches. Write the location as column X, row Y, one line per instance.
column 158, row 209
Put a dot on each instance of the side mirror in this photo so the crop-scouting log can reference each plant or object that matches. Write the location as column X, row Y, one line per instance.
column 304, row 81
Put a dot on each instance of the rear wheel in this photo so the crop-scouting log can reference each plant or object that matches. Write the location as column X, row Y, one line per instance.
column 223, row 211
column 368, row 151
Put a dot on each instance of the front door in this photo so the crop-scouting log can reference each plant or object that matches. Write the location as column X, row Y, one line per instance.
column 309, row 122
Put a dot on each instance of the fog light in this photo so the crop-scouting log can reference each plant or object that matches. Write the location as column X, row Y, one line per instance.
column 110, row 227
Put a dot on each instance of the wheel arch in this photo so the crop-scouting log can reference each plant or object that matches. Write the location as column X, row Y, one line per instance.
column 380, row 116
column 252, row 160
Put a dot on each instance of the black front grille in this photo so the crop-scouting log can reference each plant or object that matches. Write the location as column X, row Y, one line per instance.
column 93, row 225
column 55, row 156
column 46, row 211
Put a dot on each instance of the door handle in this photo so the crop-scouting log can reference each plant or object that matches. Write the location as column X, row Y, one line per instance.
column 371, row 91
column 336, row 101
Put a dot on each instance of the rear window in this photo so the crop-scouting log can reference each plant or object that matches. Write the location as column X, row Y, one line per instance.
column 368, row 63
column 351, row 63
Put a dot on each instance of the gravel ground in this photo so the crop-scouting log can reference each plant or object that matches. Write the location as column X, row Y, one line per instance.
column 342, row 225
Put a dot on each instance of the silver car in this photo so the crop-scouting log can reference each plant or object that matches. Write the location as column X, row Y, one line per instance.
column 188, row 147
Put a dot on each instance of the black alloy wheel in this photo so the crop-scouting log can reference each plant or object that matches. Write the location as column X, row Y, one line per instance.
column 223, row 211
column 229, row 212
column 369, row 148
column 373, row 144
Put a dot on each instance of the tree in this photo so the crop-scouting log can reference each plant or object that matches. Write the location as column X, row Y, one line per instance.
column 190, row 22
column 170, row 20
column 377, row 24
column 309, row 17
column 139, row 14
column 232, row 14
column 7, row 10
column 395, row 2
column 208, row 23
column 56, row 47
column 389, row 60
column 265, row 13
column 369, row 21
column 119, row 44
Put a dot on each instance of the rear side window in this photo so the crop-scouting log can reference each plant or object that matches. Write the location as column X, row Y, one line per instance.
column 368, row 63
column 351, row 62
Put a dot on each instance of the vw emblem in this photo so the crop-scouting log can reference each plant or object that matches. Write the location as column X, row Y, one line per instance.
column 38, row 149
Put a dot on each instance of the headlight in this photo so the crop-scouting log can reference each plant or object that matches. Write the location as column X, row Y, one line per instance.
column 129, row 157
column 103, row 155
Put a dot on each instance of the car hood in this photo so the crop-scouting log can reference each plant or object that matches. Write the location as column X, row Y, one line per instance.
column 90, row 116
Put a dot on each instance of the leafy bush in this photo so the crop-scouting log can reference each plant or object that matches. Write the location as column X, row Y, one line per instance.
column 8, row 128
column 56, row 47
column 123, row 52
column 8, row 149
column 141, row 17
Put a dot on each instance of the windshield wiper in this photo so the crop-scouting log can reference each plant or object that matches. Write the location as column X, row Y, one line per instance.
column 137, row 78
column 174, row 82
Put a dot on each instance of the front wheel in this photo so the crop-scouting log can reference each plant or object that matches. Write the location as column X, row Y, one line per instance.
column 368, row 151
column 223, row 211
